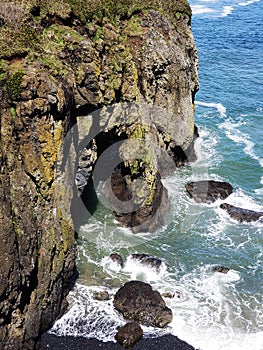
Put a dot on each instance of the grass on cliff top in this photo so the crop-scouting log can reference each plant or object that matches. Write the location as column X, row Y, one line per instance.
column 22, row 21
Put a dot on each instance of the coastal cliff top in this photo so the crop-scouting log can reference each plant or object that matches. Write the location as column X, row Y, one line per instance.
column 22, row 23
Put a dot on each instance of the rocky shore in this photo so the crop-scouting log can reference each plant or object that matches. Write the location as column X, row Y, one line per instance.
column 166, row 342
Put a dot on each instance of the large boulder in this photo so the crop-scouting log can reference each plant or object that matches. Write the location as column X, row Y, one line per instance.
column 129, row 334
column 208, row 191
column 241, row 214
column 137, row 300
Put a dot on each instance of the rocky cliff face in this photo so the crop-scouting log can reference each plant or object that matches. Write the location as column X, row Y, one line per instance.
column 61, row 61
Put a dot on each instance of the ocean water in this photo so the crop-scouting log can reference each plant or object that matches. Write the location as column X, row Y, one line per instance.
column 211, row 310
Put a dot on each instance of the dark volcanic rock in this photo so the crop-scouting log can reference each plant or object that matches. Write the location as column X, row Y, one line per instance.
column 148, row 260
column 117, row 258
column 241, row 214
column 142, row 208
column 136, row 300
column 221, row 269
column 129, row 334
column 208, row 191
column 102, row 295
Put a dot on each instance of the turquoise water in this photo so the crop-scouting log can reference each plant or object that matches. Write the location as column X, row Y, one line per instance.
column 214, row 311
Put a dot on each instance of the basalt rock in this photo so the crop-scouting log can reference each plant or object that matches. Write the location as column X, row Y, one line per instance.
column 241, row 214
column 148, row 260
column 117, row 258
column 136, row 300
column 129, row 334
column 66, row 71
column 208, row 191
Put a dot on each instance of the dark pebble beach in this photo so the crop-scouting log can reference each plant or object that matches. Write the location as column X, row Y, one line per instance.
column 166, row 342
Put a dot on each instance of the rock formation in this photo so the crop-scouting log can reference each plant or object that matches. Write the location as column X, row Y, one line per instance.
column 129, row 334
column 208, row 191
column 60, row 62
column 241, row 214
column 148, row 260
column 137, row 301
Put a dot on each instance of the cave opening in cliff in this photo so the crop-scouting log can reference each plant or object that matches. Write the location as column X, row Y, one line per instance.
column 101, row 154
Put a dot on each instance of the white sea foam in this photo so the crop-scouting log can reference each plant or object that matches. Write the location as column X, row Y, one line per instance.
column 220, row 108
column 232, row 132
column 246, row 3
column 201, row 9
column 227, row 10
column 88, row 317
column 136, row 270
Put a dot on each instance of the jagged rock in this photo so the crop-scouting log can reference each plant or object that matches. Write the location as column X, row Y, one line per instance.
column 148, row 260
column 129, row 334
column 221, row 269
column 241, row 214
column 117, row 258
column 208, row 191
column 102, row 295
column 136, row 300
column 55, row 71
column 142, row 209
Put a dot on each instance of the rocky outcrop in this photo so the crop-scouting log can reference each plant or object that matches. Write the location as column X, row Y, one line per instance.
column 37, row 238
column 208, row 191
column 241, row 214
column 117, row 258
column 137, row 301
column 148, row 260
column 61, row 62
column 129, row 334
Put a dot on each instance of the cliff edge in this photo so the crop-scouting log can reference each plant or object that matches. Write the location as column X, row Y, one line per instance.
column 60, row 62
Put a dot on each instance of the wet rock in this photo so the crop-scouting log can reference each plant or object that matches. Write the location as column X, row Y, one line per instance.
column 241, row 214
column 171, row 295
column 102, row 295
column 208, row 191
column 221, row 269
column 148, row 260
column 129, row 334
column 136, row 300
column 117, row 258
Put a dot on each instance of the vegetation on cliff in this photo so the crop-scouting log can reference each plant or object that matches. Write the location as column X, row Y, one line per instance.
column 59, row 61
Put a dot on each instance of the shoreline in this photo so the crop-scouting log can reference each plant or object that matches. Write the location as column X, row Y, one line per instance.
column 165, row 342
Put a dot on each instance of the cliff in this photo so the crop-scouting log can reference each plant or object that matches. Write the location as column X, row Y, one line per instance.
column 59, row 62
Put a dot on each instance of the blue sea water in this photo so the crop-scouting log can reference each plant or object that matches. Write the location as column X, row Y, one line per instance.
column 211, row 310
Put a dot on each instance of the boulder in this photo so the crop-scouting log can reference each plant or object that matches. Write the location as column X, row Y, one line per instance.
column 208, row 191
column 129, row 334
column 241, row 214
column 148, row 260
column 117, row 258
column 137, row 300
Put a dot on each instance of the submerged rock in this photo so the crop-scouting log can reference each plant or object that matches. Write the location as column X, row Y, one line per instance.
column 221, row 269
column 241, row 214
column 129, row 334
column 208, row 191
column 136, row 300
column 148, row 260
column 117, row 258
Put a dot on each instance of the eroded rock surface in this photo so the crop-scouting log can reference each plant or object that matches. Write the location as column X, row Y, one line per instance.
column 208, row 191
column 241, row 214
column 62, row 64
column 136, row 300
column 129, row 334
